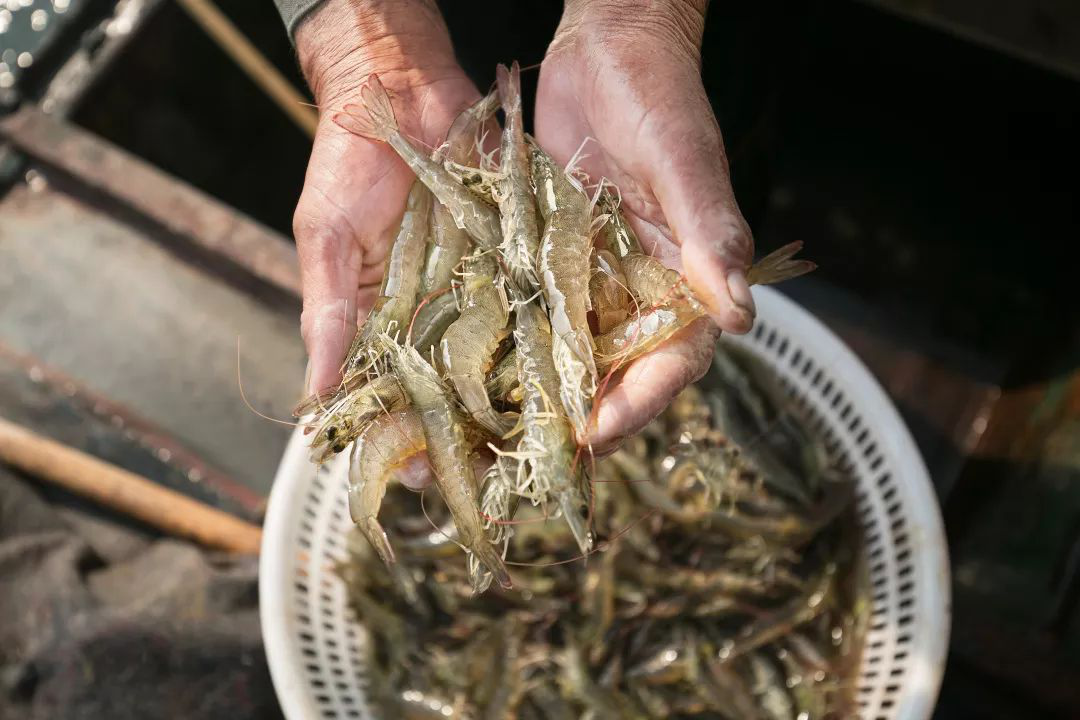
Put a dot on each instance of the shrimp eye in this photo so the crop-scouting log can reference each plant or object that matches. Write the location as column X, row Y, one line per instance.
column 331, row 433
column 339, row 447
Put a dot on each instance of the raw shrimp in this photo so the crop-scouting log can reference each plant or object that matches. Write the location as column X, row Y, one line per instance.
column 607, row 289
column 450, row 242
column 386, row 445
column 617, row 235
column 564, row 277
column 502, row 382
column 469, row 213
column 432, row 321
column 547, row 443
column 470, row 342
column 393, row 310
column 517, row 205
column 638, row 335
column 346, row 418
column 448, row 453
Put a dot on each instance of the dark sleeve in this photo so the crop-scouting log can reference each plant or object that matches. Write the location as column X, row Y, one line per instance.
column 293, row 11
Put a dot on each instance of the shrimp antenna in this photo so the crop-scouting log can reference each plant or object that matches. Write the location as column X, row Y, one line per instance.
column 251, row 407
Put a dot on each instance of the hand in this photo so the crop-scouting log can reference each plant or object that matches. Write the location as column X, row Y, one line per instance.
column 629, row 79
column 355, row 189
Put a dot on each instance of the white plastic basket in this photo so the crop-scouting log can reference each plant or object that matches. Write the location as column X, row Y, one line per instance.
column 314, row 647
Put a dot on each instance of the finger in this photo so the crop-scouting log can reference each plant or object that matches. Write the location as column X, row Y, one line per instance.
column 690, row 179
column 347, row 181
column 415, row 474
column 650, row 383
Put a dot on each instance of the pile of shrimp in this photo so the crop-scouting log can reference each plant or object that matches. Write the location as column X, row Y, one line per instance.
column 480, row 340
column 725, row 583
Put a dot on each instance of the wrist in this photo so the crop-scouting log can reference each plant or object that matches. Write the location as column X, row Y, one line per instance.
column 651, row 25
column 342, row 42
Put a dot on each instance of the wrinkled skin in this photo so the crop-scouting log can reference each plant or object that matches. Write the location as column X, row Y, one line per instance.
column 627, row 77
column 355, row 189
column 631, row 81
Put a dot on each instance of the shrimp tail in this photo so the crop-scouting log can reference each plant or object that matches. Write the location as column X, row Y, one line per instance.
column 778, row 266
column 509, row 83
column 488, row 556
column 379, row 123
column 576, row 511
column 373, row 530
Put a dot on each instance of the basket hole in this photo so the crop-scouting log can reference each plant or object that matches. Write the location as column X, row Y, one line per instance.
column 771, row 340
column 894, row 508
column 816, row 380
column 796, row 357
column 312, row 668
column 782, row 350
column 827, row 389
column 903, row 555
column 900, row 656
column 337, row 671
column 352, row 712
column 905, row 620
column 901, row 540
column 320, row 684
column 897, row 524
column 877, row 462
column 855, row 423
column 897, row 672
column 307, row 637
column 845, row 411
column 889, row 494
column 326, row 713
column 904, row 639
column 308, row 652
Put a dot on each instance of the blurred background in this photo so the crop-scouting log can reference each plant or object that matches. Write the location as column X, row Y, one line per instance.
column 926, row 151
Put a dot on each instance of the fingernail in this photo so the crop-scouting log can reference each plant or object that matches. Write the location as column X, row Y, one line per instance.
column 739, row 291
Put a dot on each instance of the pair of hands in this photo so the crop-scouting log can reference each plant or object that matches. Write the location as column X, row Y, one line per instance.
column 624, row 75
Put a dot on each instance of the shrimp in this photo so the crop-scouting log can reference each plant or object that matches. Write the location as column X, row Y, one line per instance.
column 448, row 453
column 387, row 443
column 636, row 336
column 547, row 443
column 502, row 382
column 481, row 221
column 432, row 321
column 397, row 299
column 607, row 289
column 346, row 418
column 470, row 342
column 450, row 242
column 564, row 277
column 617, row 235
column 517, row 205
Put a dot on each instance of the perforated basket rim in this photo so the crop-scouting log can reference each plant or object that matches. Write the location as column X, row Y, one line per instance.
column 316, row 665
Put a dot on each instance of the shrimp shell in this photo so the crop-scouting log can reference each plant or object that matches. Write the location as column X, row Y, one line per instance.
column 470, row 342
column 564, row 276
column 517, row 206
column 344, row 420
column 607, row 289
column 469, row 213
column 384, row 446
column 448, row 453
column 397, row 299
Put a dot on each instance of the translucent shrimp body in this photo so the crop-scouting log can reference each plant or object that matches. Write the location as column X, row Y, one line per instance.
column 547, row 471
column 394, row 308
column 387, row 443
column 517, row 206
column 564, row 277
column 469, row 212
column 448, row 453
column 469, row 344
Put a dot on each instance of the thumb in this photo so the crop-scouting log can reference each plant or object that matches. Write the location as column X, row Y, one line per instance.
column 691, row 181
